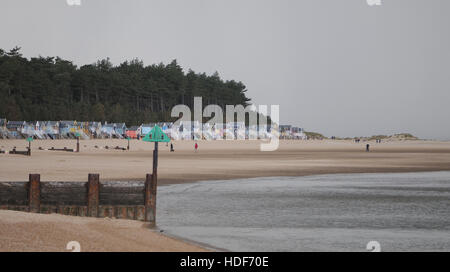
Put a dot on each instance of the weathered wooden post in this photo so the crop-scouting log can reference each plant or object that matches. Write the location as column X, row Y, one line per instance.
column 156, row 135
column 149, row 199
column 34, row 193
column 93, row 194
column 128, row 147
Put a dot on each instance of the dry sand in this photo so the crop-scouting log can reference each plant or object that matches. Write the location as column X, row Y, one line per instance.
column 214, row 160
column 218, row 159
column 41, row 232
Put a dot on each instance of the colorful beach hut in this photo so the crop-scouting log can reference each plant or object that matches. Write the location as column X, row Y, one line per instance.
column 15, row 129
column 95, row 129
column 51, row 129
column 132, row 132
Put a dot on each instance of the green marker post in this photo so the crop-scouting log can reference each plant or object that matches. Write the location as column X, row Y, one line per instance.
column 29, row 140
column 156, row 135
column 78, row 141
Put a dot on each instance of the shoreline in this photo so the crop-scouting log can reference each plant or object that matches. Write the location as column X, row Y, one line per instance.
column 381, row 171
column 192, row 242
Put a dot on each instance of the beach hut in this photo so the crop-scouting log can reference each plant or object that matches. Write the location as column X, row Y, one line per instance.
column 235, row 130
column 120, row 130
column 196, row 128
column 190, row 130
column 208, row 133
column 39, row 130
column 82, row 129
column 184, row 130
column 218, row 131
column 29, row 128
column 67, row 129
column 15, row 129
column 132, row 132
column 298, row 133
column 174, row 131
column 285, row 131
column 108, row 130
column 145, row 129
column 213, row 131
column 252, row 132
column 239, row 130
column 94, row 129
column 114, row 130
column 264, row 131
column 2, row 123
column 51, row 129
column 164, row 127
column 273, row 130
column 3, row 130
column 167, row 128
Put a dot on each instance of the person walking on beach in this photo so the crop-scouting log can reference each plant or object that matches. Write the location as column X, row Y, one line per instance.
column 367, row 148
column 196, row 146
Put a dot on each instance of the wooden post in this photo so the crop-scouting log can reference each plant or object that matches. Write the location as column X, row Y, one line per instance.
column 29, row 148
column 151, row 183
column 93, row 194
column 34, row 193
column 155, row 161
column 128, row 147
column 148, row 200
column 78, row 144
column 154, row 183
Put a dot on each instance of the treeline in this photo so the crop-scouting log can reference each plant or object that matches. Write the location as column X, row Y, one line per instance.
column 49, row 88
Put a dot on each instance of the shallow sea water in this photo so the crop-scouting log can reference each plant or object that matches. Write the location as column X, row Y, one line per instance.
column 401, row 211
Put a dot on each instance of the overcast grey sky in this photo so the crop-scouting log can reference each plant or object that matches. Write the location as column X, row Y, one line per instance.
column 339, row 67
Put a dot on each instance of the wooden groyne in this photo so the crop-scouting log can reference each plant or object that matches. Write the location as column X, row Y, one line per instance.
column 134, row 200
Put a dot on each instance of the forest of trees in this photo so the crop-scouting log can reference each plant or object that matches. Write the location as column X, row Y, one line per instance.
column 49, row 88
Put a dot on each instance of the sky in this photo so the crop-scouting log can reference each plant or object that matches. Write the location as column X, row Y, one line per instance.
column 339, row 67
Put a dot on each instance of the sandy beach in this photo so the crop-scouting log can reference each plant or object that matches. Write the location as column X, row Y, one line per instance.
column 40, row 232
column 215, row 160
column 218, row 159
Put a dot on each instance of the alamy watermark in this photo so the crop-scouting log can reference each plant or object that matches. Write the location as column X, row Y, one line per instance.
column 73, row 2
column 373, row 246
column 73, row 246
column 374, row 2
column 233, row 129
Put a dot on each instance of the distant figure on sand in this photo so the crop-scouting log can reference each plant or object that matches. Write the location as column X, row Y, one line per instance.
column 171, row 147
column 196, row 146
column 367, row 148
